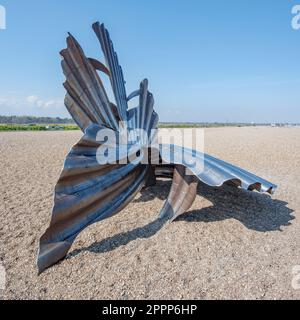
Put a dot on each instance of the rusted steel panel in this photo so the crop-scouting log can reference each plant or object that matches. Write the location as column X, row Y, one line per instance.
column 88, row 191
column 182, row 194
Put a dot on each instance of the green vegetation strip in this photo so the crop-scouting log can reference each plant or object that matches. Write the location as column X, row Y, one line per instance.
column 36, row 127
column 68, row 127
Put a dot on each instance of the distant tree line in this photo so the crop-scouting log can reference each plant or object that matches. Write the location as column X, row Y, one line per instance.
column 34, row 120
column 30, row 120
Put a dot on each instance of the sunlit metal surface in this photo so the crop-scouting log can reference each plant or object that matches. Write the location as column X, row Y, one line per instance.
column 87, row 191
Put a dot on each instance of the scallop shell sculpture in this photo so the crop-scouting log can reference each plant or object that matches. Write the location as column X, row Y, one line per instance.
column 90, row 190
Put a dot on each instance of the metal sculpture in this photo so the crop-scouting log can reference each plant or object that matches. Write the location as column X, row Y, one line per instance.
column 88, row 191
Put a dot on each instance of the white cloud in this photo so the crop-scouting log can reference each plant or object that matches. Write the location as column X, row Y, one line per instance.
column 35, row 100
column 32, row 99
column 32, row 105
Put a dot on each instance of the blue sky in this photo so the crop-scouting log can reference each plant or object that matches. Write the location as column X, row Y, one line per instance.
column 233, row 60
